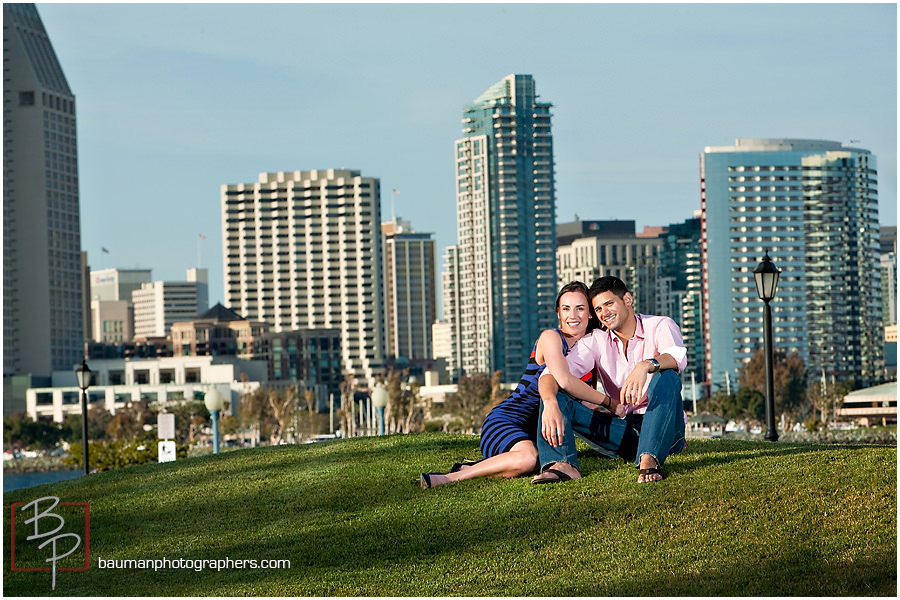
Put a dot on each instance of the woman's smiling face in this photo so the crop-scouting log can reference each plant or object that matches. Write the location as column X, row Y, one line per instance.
column 573, row 314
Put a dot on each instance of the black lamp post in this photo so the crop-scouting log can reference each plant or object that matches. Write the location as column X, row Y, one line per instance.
column 84, row 382
column 766, row 276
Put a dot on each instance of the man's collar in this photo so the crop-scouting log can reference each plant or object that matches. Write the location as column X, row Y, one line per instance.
column 639, row 328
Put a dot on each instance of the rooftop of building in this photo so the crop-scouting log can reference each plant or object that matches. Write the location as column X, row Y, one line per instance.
column 779, row 145
column 221, row 314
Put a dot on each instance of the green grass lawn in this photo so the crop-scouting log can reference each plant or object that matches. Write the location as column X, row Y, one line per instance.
column 732, row 518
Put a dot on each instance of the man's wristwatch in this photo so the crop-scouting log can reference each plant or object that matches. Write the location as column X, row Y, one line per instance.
column 654, row 365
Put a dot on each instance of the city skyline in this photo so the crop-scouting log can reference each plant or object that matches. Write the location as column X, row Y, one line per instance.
column 194, row 98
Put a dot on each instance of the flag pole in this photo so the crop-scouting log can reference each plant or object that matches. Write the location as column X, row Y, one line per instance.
column 199, row 238
column 393, row 197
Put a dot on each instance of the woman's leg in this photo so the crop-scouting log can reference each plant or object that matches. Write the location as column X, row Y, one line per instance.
column 521, row 459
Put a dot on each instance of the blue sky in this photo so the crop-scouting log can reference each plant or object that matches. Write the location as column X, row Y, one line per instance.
column 174, row 100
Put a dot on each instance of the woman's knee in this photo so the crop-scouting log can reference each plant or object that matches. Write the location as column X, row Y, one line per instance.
column 525, row 458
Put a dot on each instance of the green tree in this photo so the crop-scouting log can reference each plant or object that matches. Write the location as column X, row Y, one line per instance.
column 104, row 455
column 746, row 405
column 22, row 431
column 98, row 421
column 190, row 416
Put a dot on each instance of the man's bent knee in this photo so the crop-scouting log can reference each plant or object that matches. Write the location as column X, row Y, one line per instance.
column 670, row 382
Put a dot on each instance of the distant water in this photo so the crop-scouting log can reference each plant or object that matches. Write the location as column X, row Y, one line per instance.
column 16, row 481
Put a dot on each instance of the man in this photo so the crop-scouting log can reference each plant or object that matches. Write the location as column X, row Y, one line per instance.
column 638, row 358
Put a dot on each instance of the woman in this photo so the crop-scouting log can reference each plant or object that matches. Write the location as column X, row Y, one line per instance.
column 508, row 435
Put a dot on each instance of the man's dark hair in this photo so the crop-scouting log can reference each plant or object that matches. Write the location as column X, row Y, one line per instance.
column 607, row 284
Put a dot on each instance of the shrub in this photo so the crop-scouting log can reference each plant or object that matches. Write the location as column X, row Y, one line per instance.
column 103, row 455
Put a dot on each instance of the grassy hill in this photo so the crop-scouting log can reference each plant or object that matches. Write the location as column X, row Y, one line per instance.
column 732, row 518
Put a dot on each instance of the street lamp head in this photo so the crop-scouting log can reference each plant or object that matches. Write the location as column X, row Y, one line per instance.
column 83, row 374
column 766, row 276
column 379, row 396
column 214, row 400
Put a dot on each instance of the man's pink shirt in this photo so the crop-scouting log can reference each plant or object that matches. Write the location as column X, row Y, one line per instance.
column 602, row 349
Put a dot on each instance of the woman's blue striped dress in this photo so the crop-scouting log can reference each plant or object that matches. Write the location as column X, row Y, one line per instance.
column 516, row 418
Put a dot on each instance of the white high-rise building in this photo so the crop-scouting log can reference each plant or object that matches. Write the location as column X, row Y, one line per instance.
column 302, row 250
column 160, row 303
column 410, row 289
column 506, row 203
column 450, row 311
column 43, row 298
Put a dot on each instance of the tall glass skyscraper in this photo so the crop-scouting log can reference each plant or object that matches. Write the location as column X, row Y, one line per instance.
column 680, row 285
column 43, row 299
column 506, row 202
column 813, row 205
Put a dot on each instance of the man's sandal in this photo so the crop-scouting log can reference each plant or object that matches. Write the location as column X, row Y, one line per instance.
column 651, row 471
column 558, row 476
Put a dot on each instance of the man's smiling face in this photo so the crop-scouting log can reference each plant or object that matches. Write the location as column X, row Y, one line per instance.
column 612, row 310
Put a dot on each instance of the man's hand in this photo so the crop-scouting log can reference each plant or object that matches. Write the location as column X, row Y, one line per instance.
column 633, row 387
column 552, row 424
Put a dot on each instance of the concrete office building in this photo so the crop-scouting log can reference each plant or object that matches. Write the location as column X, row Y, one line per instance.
column 813, row 206
column 112, row 321
column 888, row 238
column 302, row 250
column 112, row 313
column 159, row 304
column 410, row 290
column 117, row 284
column 307, row 358
column 506, row 203
column 587, row 250
column 43, row 298
column 440, row 336
column 161, row 381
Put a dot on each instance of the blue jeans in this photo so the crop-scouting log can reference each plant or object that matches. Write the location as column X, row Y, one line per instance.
column 658, row 432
